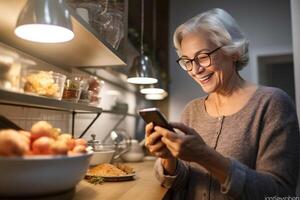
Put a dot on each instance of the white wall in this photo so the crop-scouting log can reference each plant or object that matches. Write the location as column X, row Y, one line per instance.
column 295, row 11
column 266, row 23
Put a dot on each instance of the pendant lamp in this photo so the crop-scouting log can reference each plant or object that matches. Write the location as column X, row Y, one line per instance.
column 44, row 21
column 156, row 96
column 157, row 89
column 141, row 71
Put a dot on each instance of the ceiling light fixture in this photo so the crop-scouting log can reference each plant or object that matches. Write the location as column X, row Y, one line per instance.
column 141, row 71
column 44, row 21
column 157, row 88
column 156, row 96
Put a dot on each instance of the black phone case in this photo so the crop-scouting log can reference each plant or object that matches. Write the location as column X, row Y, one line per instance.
column 156, row 117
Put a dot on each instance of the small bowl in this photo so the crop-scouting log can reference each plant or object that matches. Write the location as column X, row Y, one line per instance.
column 41, row 175
column 100, row 157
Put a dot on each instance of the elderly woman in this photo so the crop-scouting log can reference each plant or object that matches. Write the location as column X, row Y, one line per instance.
column 241, row 141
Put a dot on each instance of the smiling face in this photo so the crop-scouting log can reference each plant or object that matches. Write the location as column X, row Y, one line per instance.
column 219, row 74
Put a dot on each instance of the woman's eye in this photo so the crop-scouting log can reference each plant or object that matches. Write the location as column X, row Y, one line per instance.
column 202, row 57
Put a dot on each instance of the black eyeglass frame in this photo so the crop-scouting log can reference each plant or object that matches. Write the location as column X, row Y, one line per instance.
column 195, row 60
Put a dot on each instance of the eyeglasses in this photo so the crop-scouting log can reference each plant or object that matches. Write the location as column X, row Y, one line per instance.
column 201, row 59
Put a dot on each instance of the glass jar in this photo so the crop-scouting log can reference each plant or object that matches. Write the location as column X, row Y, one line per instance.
column 43, row 83
column 85, row 94
column 10, row 70
column 72, row 89
column 95, row 87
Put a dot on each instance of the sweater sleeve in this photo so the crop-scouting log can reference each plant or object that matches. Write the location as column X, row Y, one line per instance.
column 179, row 180
column 277, row 162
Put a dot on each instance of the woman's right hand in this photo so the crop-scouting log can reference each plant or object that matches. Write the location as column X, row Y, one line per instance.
column 154, row 145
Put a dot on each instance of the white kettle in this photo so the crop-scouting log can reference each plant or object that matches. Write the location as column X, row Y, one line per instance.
column 135, row 152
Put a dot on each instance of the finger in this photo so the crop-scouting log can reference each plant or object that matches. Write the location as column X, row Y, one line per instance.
column 149, row 129
column 166, row 133
column 153, row 138
column 172, row 146
column 156, row 147
column 184, row 128
column 162, row 154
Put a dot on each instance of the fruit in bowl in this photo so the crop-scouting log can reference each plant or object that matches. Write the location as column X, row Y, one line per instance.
column 40, row 162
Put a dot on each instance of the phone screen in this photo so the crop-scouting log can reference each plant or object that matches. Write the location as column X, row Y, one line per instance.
column 154, row 115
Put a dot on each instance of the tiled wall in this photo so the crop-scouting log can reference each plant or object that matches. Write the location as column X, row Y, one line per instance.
column 25, row 117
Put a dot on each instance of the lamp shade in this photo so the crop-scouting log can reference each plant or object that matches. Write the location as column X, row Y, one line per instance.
column 156, row 96
column 141, row 71
column 45, row 21
column 152, row 90
column 156, row 88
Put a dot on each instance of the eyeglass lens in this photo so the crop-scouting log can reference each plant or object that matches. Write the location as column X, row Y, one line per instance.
column 202, row 60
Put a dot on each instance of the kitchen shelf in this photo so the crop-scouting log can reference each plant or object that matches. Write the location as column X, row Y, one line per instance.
column 86, row 49
column 119, row 113
column 22, row 99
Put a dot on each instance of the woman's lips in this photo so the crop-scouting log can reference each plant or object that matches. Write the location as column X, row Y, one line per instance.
column 206, row 78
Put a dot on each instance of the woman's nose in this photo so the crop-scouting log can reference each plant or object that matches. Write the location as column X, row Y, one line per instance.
column 196, row 69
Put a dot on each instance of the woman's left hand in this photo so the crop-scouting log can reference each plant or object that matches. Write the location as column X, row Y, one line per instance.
column 191, row 147
column 186, row 147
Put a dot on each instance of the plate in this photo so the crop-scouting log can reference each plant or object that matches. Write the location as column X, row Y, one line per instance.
column 127, row 177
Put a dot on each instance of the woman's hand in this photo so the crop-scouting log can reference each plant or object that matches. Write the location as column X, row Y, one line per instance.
column 153, row 143
column 191, row 147
column 186, row 147
column 156, row 147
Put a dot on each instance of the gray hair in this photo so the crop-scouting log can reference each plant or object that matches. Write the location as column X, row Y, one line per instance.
column 222, row 30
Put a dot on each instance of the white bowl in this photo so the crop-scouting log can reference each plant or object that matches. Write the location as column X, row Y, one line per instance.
column 100, row 157
column 41, row 175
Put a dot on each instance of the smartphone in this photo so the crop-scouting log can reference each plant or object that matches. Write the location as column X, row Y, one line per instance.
column 154, row 115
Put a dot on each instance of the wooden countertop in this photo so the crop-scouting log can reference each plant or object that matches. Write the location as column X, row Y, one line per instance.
column 145, row 186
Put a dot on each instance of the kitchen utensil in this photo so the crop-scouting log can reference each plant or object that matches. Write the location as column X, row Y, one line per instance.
column 103, row 153
column 135, row 152
column 121, row 141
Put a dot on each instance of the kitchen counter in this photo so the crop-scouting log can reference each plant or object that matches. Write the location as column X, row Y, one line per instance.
column 144, row 186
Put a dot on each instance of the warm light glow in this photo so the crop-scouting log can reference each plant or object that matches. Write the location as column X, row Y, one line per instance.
column 142, row 80
column 156, row 96
column 44, row 33
column 113, row 93
column 152, row 91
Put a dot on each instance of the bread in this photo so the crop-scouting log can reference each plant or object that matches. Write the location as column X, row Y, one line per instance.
column 106, row 169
